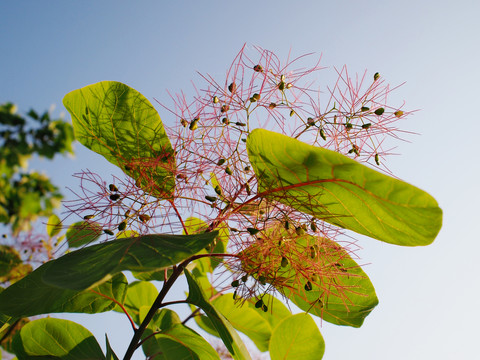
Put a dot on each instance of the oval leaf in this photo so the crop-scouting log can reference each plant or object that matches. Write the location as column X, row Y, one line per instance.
column 82, row 233
column 54, row 225
column 297, row 337
column 119, row 123
column 56, row 338
column 341, row 191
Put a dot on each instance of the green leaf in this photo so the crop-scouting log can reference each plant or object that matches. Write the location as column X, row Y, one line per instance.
column 110, row 353
column 31, row 296
column 297, row 337
column 161, row 321
column 245, row 319
column 54, row 225
column 82, row 233
column 9, row 259
column 340, row 292
column 179, row 343
column 227, row 333
column 341, row 191
column 119, row 123
column 84, row 268
column 277, row 310
column 139, row 294
column 56, row 339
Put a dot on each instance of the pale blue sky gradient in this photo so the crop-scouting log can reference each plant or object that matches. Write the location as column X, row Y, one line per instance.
column 428, row 296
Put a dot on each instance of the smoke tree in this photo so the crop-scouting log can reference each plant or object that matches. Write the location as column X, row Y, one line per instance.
column 248, row 199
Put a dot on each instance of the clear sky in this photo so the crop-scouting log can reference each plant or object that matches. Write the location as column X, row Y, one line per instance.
column 428, row 296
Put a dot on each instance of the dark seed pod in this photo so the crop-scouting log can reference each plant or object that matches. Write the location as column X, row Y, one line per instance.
column 114, row 197
column 299, row 230
column 313, row 226
column 379, row 111
column 244, row 278
column 398, row 113
column 286, row 225
column 88, row 217
column 308, row 286
column 232, row 87
column 253, row 231
column 258, row 68
column 259, row 304
column 364, row 108
column 284, row 262
column 238, row 123
column 264, row 308
column 272, row 105
column 228, row 170
column 247, row 189
column 128, row 168
column 322, row 134
column 122, row 226
column 348, row 126
column 224, row 108
column 256, row 97
column 215, row 99
column 225, row 121
column 194, row 124
column 281, row 86
column 211, row 198
column 313, row 252
column 262, row 280
column 144, row 217
column 377, row 159
column 108, row 231
column 184, row 122
column 376, row 76
column 366, row 126
column 112, row 187
column 292, row 112
column 310, row 121
column 234, row 294
column 235, row 283
column 218, row 190
column 247, row 168
column 221, row 162
column 289, row 85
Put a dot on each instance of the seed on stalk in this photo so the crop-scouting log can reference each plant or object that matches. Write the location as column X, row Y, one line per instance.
column 144, row 217
column 238, row 123
column 292, row 112
column 308, row 286
column 218, row 190
column 235, row 283
column 215, row 99
column 244, row 278
column 258, row 68
column 299, row 230
column 108, row 231
column 184, row 122
column 310, row 121
column 313, row 226
column 247, row 189
column 379, row 111
column 228, row 171
column 366, row 126
column 262, row 280
column 364, row 108
column 247, row 168
column 272, row 105
column 284, row 262
column 112, row 187
column 349, row 126
column 122, row 226
column 322, row 134
column 281, row 86
column 289, row 85
column 88, row 217
column 224, row 108
column 259, row 304
column 255, row 97
column 211, row 198
column 286, row 225
column 225, row 121
column 253, row 231
column 264, row 308
column 114, row 197
column 398, row 113
column 376, row 76
column 377, row 159
column 194, row 124
column 221, row 162
column 234, row 294
column 232, row 87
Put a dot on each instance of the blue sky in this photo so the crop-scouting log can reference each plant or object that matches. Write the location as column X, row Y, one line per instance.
column 428, row 296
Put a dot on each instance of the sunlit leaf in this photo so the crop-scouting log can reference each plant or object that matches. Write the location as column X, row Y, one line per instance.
column 139, row 294
column 341, row 191
column 297, row 337
column 9, row 259
column 54, row 225
column 82, row 233
column 119, row 123
column 95, row 264
column 225, row 330
column 56, row 339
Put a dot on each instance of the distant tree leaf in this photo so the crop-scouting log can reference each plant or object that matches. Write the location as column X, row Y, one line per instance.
column 84, row 268
column 297, row 337
column 341, row 191
column 9, row 259
column 119, row 123
column 56, row 339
